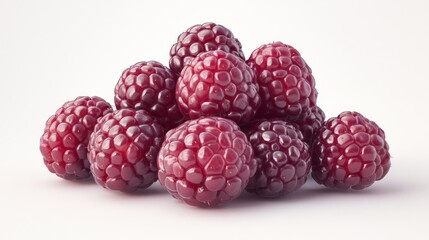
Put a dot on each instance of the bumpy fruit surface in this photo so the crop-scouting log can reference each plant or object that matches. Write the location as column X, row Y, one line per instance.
column 310, row 124
column 123, row 150
column 202, row 38
column 350, row 151
column 217, row 83
column 206, row 161
column 149, row 86
column 283, row 158
column 66, row 135
column 286, row 84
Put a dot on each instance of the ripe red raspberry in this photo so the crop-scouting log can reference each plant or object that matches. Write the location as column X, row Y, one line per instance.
column 149, row 86
column 123, row 150
column 64, row 141
column 206, row 161
column 310, row 124
column 217, row 83
column 202, row 38
column 286, row 85
column 283, row 158
column 350, row 151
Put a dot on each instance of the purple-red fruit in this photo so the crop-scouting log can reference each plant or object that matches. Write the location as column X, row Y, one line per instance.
column 202, row 38
column 64, row 141
column 286, row 84
column 310, row 124
column 123, row 150
column 218, row 83
column 206, row 161
column 283, row 158
column 350, row 151
column 149, row 86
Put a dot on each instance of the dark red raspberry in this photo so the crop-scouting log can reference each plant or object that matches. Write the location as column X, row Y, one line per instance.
column 206, row 161
column 310, row 124
column 283, row 158
column 217, row 83
column 350, row 151
column 66, row 135
column 123, row 150
column 150, row 86
column 286, row 84
column 202, row 38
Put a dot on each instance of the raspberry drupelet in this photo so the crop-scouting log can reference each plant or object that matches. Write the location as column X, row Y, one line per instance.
column 206, row 161
column 150, row 86
column 220, row 84
column 350, row 151
column 123, row 150
column 64, row 141
column 202, row 38
column 282, row 156
column 286, row 84
column 310, row 124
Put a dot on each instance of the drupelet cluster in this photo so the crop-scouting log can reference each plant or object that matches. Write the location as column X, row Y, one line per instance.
column 214, row 124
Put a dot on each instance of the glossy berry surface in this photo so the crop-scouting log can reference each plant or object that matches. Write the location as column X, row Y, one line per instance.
column 310, row 124
column 282, row 156
column 202, row 38
column 350, row 151
column 217, row 83
column 149, row 86
column 206, row 161
column 286, row 84
column 123, row 150
column 64, row 141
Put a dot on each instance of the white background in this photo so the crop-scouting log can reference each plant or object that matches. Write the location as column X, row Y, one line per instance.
column 368, row 56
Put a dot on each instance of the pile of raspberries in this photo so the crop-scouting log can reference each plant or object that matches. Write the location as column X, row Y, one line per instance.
column 214, row 124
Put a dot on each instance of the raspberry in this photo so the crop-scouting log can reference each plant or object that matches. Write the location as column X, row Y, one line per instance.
column 217, row 83
column 64, row 141
column 310, row 124
column 206, row 161
column 283, row 158
column 350, row 151
column 149, row 86
column 123, row 150
column 286, row 84
column 202, row 38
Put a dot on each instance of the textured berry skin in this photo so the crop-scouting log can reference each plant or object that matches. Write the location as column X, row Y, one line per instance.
column 206, row 161
column 286, row 84
column 217, row 83
column 283, row 158
column 64, row 141
column 202, row 38
column 149, row 86
column 123, row 150
column 350, row 151
column 310, row 124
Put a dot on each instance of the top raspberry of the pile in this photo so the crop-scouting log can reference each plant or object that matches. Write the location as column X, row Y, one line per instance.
column 217, row 83
column 150, row 86
column 287, row 86
column 66, row 135
column 350, row 151
column 202, row 38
